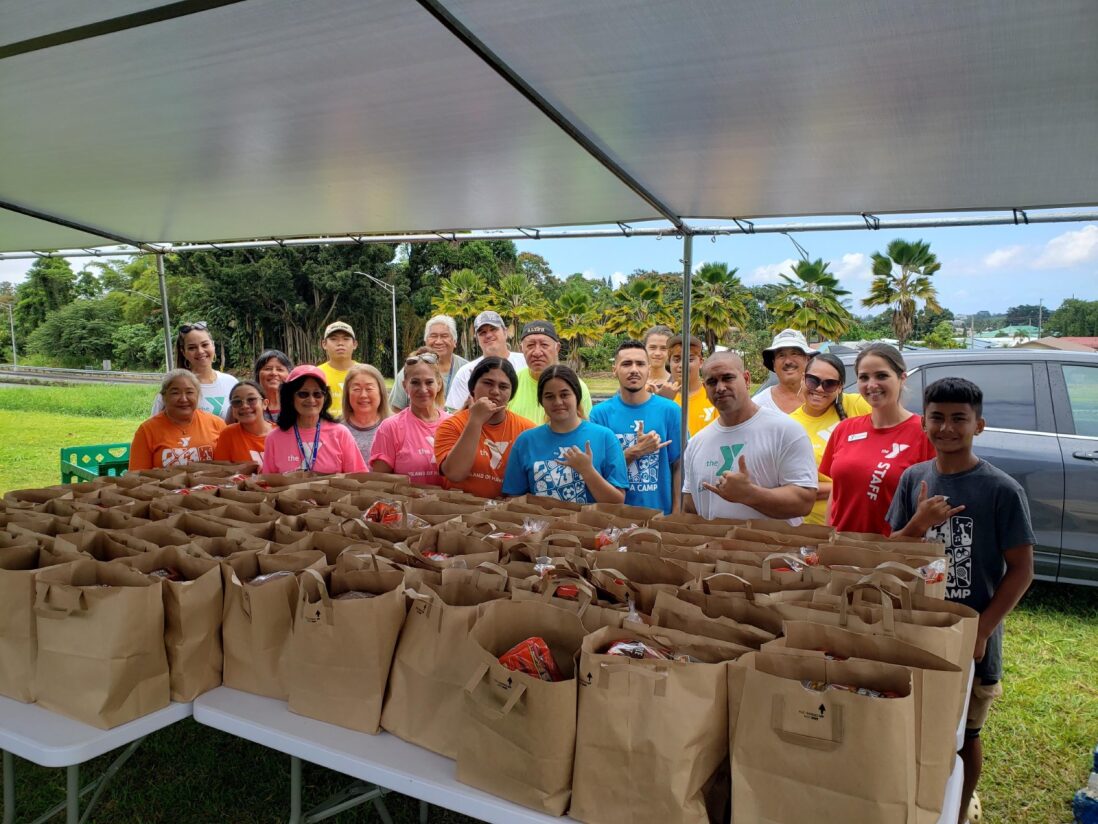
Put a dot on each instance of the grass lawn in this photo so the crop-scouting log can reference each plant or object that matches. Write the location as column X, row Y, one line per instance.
column 1037, row 741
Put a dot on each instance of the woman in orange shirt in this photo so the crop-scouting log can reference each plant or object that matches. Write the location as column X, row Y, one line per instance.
column 243, row 440
column 473, row 446
column 181, row 434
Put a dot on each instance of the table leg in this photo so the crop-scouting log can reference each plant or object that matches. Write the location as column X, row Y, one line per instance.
column 295, row 790
column 424, row 807
column 72, row 796
column 9, row 788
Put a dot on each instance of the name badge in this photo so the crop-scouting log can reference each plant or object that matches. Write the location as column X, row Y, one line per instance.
column 858, row 436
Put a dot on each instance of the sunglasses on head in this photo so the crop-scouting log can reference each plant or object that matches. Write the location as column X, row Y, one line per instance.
column 426, row 357
column 305, row 394
column 827, row 384
column 200, row 325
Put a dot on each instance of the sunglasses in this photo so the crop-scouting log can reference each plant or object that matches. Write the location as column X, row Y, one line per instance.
column 236, row 403
column 190, row 327
column 305, row 394
column 827, row 384
column 426, row 357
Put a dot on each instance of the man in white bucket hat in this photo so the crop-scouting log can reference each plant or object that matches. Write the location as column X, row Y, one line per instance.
column 787, row 356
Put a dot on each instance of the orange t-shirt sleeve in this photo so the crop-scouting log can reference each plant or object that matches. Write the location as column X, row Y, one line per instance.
column 140, row 453
column 447, row 434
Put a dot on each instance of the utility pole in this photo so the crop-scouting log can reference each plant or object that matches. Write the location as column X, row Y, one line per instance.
column 11, row 320
column 1040, row 315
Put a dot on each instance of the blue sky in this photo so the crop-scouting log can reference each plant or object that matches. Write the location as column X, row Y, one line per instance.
column 989, row 268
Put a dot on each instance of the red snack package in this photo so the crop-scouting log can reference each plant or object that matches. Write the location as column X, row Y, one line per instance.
column 383, row 512
column 436, row 556
column 532, row 657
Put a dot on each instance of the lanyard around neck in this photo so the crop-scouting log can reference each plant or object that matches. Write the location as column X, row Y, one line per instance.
column 306, row 463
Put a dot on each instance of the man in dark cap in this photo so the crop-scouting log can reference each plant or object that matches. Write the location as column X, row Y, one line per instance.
column 541, row 348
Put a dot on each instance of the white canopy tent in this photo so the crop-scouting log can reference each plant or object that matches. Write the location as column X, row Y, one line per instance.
column 157, row 125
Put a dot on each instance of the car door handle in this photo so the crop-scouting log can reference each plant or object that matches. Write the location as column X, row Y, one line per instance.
column 1085, row 456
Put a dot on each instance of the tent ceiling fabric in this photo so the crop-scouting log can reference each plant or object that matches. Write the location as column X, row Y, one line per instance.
column 275, row 118
column 759, row 108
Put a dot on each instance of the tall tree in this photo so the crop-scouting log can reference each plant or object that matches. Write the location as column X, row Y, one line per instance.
column 637, row 305
column 1025, row 314
column 901, row 278
column 463, row 296
column 519, row 300
column 1075, row 318
column 577, row 321
column 718, row 302
column 535, row 267
column 49, row 285
column 810, row 300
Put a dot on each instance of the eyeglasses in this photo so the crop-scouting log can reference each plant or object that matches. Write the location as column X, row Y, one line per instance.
column 426, row 357
column 828, row 384
column 236, row 403
column 305, row 394
column 200, row 325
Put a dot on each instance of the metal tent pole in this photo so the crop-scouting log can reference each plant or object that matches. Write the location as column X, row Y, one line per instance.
column 684, row 393
column 164, row 307
column 11, row 320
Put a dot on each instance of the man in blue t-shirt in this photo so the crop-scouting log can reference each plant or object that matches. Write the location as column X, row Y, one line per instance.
column 648, row 428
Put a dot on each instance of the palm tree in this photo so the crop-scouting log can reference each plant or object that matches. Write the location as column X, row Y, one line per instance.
column 810, row 301
column 718, row 303
column 577, row 320
column 518, row 300
column 463, row 296
column 637, row 305
column 900, row 290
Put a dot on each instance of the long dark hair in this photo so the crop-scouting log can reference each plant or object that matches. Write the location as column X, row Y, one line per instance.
column 837, row 365
column 181, row 346
column 486, row 365
column 568, row 376
column 287, row 414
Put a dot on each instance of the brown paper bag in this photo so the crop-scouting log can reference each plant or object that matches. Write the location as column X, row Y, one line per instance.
column 256, row 623
column 651, row 735
column 938, row 688
column 674, row 613
column 338, row 657
column 106, row 519
column 433, row 663
column 100, row 545
column 19, row 565
column 639, row 515
column 433, row 543
column 518, row 734
column 192, row 618
column 101, row 653
column 584, row 604
column 799, row 754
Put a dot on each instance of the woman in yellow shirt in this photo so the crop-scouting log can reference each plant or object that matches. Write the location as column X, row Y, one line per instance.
column 824, row 406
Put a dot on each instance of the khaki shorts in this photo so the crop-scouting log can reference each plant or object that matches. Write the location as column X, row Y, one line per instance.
column 983, row 696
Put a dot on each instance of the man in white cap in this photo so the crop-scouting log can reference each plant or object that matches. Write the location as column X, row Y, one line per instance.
column 541, row 348
column 491, row 334
column 787, row 356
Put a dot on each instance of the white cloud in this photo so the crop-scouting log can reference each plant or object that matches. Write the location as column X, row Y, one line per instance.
column 770, row 273
column 15, row 270
column 1070, row 249
column 1008, row 256
column 617, row 279
column 591, row 274
column 853, row 266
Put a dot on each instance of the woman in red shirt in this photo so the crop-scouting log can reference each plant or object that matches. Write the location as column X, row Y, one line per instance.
column 865, row 456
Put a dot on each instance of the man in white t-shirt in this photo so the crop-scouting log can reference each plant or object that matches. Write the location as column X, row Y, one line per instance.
column 750, row 462
column 491, row 335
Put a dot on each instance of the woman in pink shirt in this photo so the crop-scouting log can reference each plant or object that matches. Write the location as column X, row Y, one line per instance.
column 405, row 442
column 307, row 436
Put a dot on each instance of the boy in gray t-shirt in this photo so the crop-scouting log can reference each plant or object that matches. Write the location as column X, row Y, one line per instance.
column 982, row 516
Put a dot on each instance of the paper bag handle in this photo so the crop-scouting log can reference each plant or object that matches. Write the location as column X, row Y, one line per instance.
column 67, row 600
column 748, row 590
column 768, row 562
column 492, row 567
column 834, row 731
column 916, row 584
column 562, row 539
column 657, row 674
column 889, row 619
column 902, row 595
column 325, row 600
column 643, row 532
column 586, row 592
column 493, row 712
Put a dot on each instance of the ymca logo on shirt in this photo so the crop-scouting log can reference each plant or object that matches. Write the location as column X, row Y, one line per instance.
column 709, row 412
column 876, row 480
column 217, row 405
column 496, row 451
column 897, row 448
column 729, row 455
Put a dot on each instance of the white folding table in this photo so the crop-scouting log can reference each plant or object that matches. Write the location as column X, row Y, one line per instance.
column 384, row 761
column 52, row 740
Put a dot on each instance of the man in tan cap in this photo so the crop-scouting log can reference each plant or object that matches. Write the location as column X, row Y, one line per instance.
column 339, row 345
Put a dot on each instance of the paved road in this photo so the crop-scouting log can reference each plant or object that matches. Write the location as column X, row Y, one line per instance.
column 31, row 376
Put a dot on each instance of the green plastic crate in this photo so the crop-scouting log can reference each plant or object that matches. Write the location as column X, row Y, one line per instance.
column 86, row 463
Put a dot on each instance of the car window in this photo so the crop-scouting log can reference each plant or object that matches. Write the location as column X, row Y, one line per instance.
column 1009, row 401
column 1082, row 389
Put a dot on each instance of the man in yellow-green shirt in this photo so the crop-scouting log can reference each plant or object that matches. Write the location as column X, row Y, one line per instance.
column 541, row 348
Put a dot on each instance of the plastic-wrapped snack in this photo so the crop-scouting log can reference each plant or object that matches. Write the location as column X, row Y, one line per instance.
column 240, row 478
column 436, row 556
column 354, row 595
column 641, row 650
column 166, row 574
column 260, row 580
column 383, row 512
column 543, row 565
column 934, row 572
column 532, row 526
column 532, row 657
column 810, row 556
column 822, row 686
column 613, row 534
column 501, row 536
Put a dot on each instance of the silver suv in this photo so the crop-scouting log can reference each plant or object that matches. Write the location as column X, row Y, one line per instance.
column 1041, row 409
